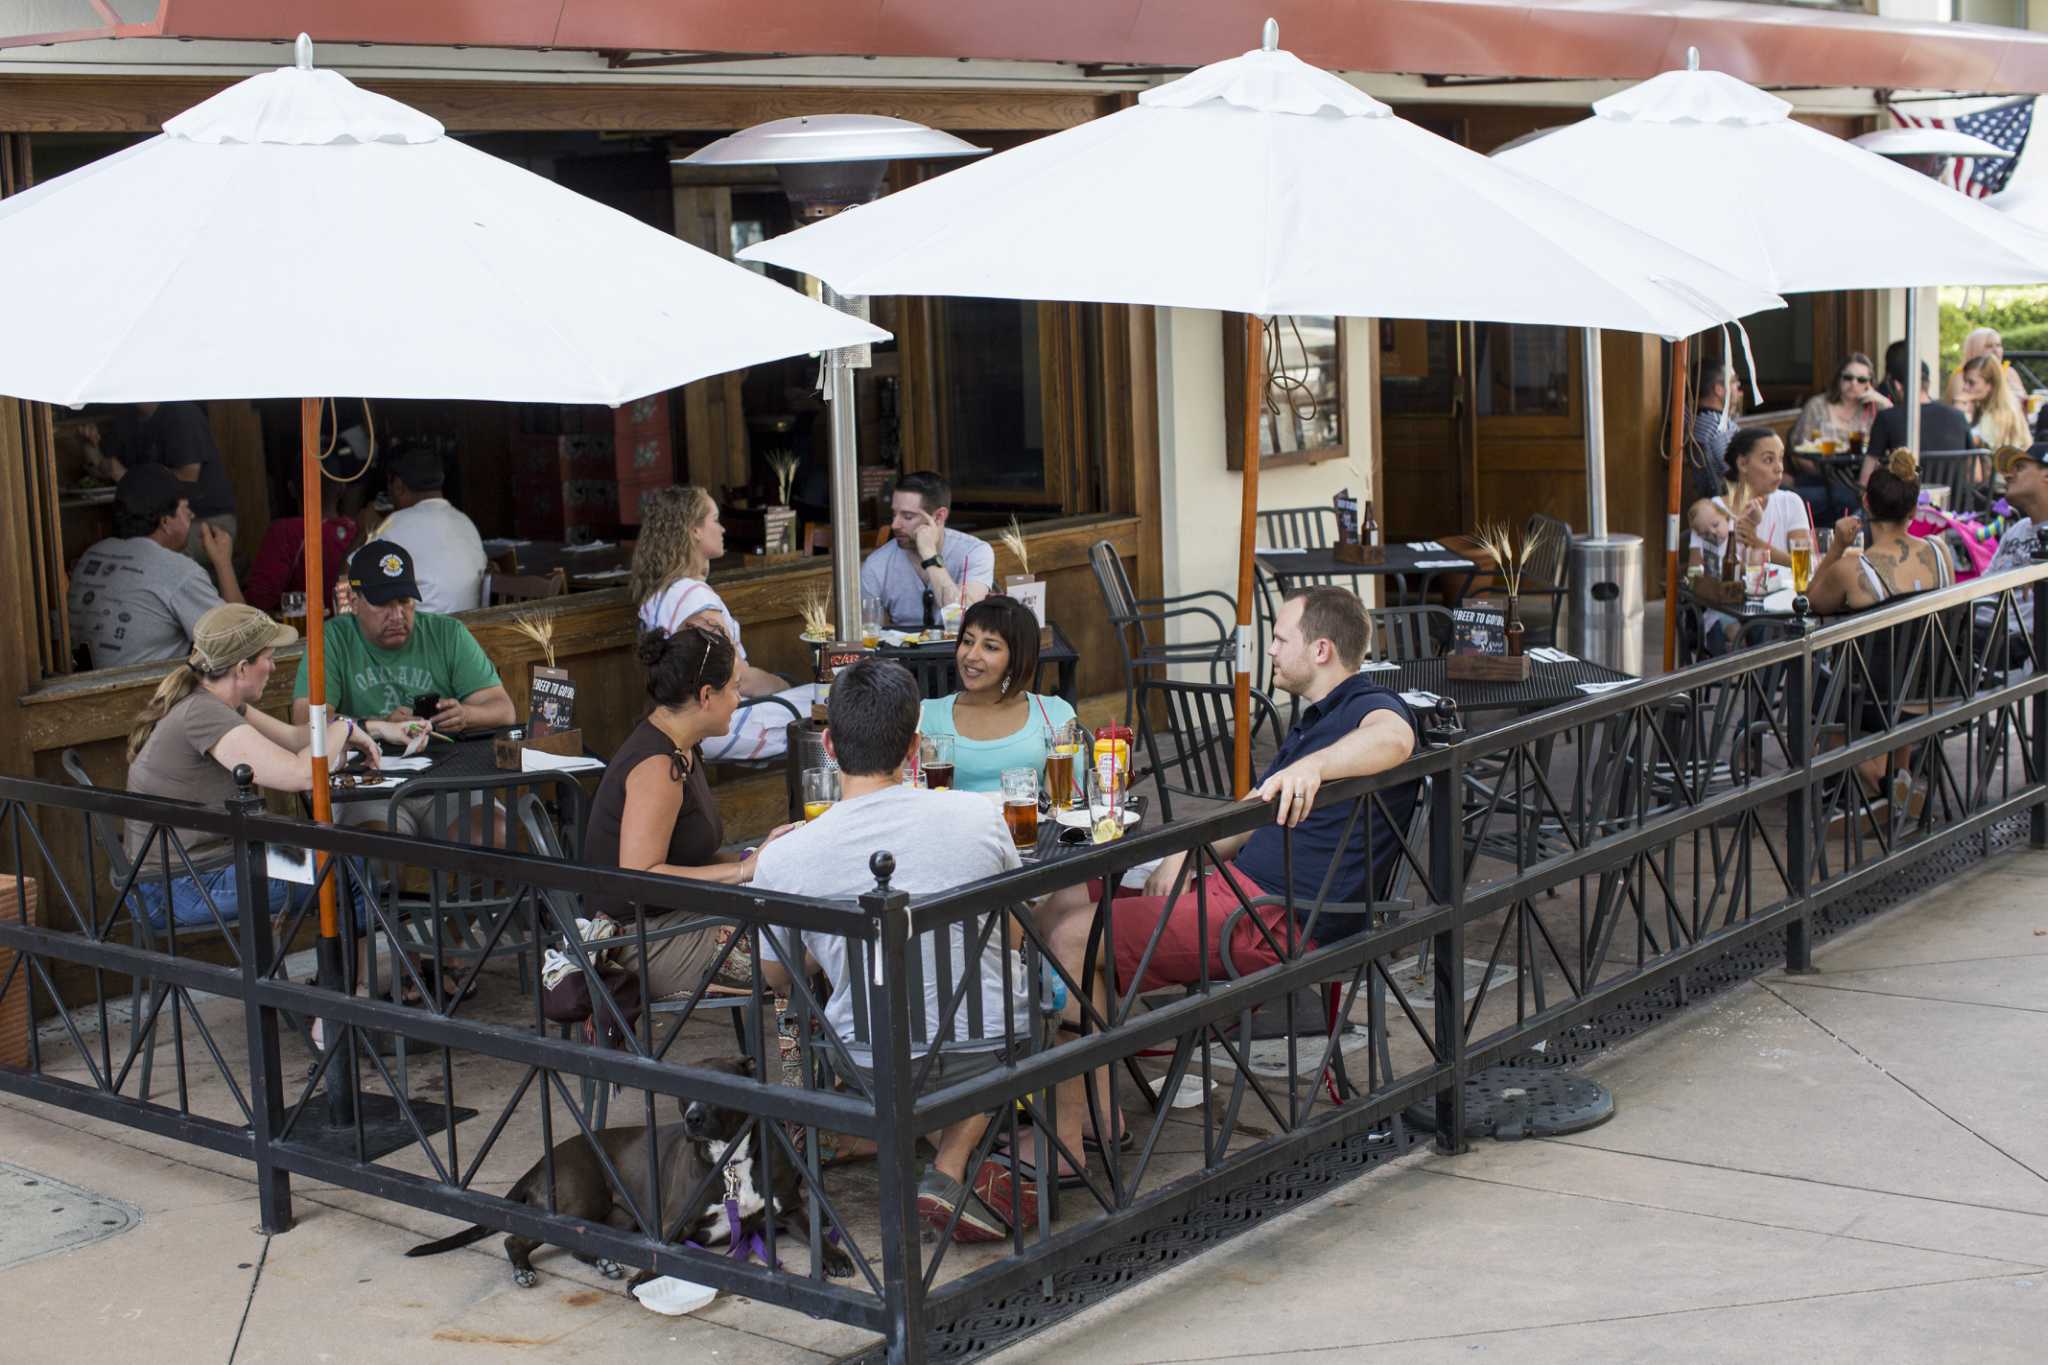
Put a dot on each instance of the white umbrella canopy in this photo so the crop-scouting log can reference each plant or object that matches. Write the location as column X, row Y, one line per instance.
column 1720, row 168
column 1262, row 185
column 2026, row 205
column 296, row 235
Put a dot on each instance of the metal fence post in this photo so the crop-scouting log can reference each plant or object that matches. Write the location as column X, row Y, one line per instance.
column 902, row 1258
column 2037, row 825
column 1447, row 876
column 1799, row 805
column 266, row 1083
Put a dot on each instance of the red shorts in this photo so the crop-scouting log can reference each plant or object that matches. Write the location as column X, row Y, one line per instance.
column 1177, row 960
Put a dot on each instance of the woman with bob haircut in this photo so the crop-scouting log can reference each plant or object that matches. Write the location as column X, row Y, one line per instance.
column 995, row 720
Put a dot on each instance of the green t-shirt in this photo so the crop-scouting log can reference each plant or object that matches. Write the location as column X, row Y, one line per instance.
column 365, row 680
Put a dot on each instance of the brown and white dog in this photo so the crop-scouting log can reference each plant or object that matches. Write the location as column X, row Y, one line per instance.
column 685, row 1153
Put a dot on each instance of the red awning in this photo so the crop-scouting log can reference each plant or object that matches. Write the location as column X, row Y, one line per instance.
column 1770, row 45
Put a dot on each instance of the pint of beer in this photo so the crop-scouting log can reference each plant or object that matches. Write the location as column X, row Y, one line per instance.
column 1020, row 806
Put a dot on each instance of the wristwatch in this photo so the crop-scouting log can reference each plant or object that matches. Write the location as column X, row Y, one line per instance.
column 930, row 562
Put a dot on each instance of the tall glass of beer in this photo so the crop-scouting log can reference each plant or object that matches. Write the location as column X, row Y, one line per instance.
column 1062, row 746
column 1020, row 806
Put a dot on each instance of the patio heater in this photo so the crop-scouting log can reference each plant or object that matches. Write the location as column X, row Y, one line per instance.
column 828, row 163
column 1928, row 151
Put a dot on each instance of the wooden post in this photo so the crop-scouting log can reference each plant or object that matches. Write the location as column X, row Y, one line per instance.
column 1254, row 393
column 310, row 475
column 1674, row 454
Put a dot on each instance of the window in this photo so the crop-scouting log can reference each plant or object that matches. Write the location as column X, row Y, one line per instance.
column 1303, row 418
column 2003, row 13
column 1526, row 371
column 1782, row 341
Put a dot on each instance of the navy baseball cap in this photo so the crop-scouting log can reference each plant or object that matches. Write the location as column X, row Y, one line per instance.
column 381, row 573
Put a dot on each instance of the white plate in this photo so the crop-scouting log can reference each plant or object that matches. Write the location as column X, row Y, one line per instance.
column 1079, row 819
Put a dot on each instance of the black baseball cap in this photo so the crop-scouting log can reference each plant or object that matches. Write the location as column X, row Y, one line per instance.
column 151, row 490
column 381, row 573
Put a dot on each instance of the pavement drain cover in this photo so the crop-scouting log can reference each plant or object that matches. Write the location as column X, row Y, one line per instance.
column 1514, row 1102
column 39, row 1216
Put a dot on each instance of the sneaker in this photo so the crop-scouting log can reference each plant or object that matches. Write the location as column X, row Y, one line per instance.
column 984, row 1213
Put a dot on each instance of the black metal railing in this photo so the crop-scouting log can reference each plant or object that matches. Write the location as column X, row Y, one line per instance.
column 1547, row 870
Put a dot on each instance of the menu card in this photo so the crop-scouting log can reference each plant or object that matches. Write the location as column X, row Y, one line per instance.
column 551, row 705
column 1477, row 628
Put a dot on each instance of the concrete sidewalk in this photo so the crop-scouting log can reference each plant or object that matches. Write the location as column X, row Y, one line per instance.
column 1849, row 1166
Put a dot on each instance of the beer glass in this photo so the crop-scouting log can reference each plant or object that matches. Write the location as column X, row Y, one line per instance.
column 292, row 607
column 1020, row 806
column 1799, row 545
column 871, row 621
column 1062, row 747
column 935, row 757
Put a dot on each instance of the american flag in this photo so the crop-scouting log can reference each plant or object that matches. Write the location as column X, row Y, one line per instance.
column 2006, row 125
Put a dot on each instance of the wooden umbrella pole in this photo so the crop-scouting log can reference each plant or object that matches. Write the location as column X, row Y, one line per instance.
column 316, row 664
column 1674, row 453
column 1254, row 393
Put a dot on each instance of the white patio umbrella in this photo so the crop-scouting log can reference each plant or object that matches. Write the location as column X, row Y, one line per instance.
column 1264, row 186
column 2026, row 205
column 295, row 235
column 1720, row 168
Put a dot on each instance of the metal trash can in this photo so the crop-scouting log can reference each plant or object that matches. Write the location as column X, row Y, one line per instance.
column 1604, row 607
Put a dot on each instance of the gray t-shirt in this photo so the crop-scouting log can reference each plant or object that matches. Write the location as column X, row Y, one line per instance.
column 2015, row 551
column 132, row 601
column 940, row 840
column 177, row 762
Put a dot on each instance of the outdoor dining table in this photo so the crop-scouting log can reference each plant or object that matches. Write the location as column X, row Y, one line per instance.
column 931, row 662
column 1292, row 568
column 1548, row 684
column 601, row 566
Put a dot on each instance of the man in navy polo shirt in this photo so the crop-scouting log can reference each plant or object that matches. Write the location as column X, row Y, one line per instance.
column 1349, row 727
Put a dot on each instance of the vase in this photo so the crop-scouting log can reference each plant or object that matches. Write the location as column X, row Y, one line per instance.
column 1515, row 630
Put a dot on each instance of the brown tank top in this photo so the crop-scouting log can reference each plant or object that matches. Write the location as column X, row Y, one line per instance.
column 699, row 830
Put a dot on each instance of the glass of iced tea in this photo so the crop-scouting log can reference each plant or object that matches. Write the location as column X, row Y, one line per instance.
column 1020, row 806
column 821, row 790
column 935, row 757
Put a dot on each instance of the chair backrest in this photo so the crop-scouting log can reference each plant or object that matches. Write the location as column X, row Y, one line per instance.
column 1303, row 528
column 1200, row 723
column 539, row 826
column 1401, row 633
column 524, row 588
column 1965, row 473
column 106, row 831
column 1546, row 567
column 1115, row 585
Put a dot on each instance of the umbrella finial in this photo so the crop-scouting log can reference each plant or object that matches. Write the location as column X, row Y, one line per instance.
column 1692, row 59
column 1269, row 37
column 302, row 53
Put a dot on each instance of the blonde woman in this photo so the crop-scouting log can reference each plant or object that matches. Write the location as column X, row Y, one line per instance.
column 680, row 535
column 199, row 726
column 1982, row 342
column 1996, row 415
